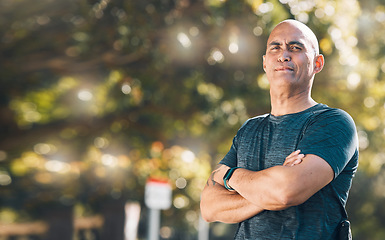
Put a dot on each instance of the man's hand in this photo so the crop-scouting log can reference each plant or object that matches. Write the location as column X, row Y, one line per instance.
column 293, row 159
column 217, row 175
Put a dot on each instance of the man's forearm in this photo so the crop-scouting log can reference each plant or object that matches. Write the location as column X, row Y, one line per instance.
column 267, row 187
column 264, row 188
column 219, row 204
column 280, row 187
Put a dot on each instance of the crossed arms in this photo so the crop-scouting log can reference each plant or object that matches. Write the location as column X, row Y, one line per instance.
column 275, row 188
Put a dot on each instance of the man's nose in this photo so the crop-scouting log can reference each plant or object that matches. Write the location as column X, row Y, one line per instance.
column 284, row 56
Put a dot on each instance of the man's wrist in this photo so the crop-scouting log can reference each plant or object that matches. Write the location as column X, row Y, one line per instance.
column 227, row 177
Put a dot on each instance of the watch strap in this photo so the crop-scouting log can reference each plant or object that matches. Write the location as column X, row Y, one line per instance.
column 227, row 177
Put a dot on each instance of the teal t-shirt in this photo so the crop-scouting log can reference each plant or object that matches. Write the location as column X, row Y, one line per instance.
column 265, row 141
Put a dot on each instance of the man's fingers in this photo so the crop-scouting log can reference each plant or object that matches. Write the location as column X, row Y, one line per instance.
column 298, row 161
column 294, row 158
column 293, row 154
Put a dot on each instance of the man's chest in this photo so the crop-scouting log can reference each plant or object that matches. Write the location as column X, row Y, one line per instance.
column 268, row 144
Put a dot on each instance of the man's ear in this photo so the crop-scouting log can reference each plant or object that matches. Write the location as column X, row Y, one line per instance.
column 319, row 63
column 264, row 65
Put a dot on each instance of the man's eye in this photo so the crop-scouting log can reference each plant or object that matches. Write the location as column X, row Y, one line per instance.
column 295, row 48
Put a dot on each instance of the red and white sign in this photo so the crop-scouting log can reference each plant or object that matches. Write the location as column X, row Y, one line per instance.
column 158, row 194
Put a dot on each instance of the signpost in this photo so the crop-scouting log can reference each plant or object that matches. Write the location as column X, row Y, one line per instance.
column 158, row 194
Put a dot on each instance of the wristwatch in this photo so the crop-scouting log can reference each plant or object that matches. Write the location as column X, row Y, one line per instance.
column 227, row 177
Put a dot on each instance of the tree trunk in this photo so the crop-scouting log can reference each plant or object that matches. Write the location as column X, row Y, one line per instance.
column 60, row 222
column 114, row 216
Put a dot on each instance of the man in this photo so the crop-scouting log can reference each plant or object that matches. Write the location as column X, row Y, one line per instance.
column 288, row 173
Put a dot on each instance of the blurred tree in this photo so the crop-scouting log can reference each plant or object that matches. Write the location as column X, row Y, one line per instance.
column 97, row 96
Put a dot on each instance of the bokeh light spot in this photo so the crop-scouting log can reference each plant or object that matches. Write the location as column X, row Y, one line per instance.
column 181, row 183
column 126, row 88
column 184, row 40
column 3, row 155
column 85, row 95
column 57, row 166
column 109, row 160
column 5, row 179
column 188, row 156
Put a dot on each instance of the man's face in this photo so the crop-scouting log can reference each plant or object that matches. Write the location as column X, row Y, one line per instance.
column 290, row 57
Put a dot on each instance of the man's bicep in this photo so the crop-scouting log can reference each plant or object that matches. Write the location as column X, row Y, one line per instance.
column 333, row 137
column 313, row 174
column 319, row 167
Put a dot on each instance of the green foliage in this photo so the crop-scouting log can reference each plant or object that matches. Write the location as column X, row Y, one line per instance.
column 97, row 96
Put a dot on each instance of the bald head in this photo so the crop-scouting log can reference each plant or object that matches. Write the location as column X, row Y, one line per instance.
column 292, row 53
column 305, row 30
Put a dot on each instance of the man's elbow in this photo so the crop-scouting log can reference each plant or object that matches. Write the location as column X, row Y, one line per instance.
column 286, row 202
column 288, row 192
column 206, row 213
column 289, row 198
column 207, row 217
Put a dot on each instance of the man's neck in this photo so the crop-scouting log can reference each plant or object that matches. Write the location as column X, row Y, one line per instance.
column 282, row 105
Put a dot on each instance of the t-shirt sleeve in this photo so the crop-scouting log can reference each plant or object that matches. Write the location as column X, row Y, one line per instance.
column 332, row 136
column 230, row 158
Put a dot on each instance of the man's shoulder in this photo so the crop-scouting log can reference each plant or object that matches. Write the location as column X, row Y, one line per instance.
column 254, row 120
column 252, row 123
column 258, row 118
column 325, row 112
column 331, row 121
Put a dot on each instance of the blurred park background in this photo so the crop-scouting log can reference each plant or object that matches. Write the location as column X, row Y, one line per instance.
column 98, row 96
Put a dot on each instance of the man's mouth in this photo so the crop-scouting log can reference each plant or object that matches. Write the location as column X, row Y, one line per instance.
column 284, row 69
